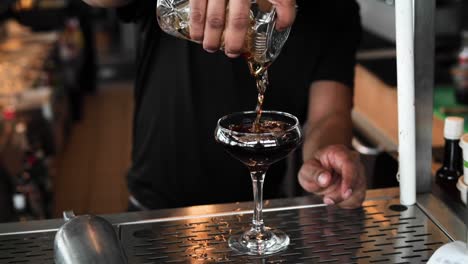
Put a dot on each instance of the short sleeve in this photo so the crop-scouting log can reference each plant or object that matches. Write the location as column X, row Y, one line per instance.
column 339, row 36
column 136, row 10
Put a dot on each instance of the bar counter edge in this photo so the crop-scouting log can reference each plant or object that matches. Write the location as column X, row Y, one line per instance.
column 433, row 207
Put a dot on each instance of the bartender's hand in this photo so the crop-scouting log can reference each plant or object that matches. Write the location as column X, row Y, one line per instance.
column 208, row 21
column 336, row 173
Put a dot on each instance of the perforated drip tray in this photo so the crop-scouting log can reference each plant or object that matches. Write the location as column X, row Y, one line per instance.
column 372, row 234
column 376, row 233
column 34, row 248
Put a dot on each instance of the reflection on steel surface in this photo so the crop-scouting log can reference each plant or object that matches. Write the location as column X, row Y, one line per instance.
column 373, row 234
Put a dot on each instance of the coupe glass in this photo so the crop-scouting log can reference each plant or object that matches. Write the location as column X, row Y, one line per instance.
column 258, row 151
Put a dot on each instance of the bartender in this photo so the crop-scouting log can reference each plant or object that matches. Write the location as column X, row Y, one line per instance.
column 183, row 88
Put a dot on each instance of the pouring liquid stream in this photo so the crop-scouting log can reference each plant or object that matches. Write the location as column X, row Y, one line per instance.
column 262, row 42
column 260, row 73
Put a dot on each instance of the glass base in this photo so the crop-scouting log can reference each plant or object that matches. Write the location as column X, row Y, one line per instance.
column 264, row 242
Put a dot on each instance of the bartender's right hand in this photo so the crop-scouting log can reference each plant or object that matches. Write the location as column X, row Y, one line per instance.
column 208, row 21
column 337, row 174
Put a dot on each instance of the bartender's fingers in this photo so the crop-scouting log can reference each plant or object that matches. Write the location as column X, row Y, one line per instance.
column 359, row 192
column 286, row 11
column 358, row 196
column 238, row 22
column 197, row 19
column 215, row 19
column 343, row 162
column 336, row 174
column 313, row 177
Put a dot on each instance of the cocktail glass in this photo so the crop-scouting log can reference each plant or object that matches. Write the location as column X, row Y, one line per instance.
column 280, row 135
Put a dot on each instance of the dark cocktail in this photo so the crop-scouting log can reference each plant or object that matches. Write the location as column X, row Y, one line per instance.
column 275, row 136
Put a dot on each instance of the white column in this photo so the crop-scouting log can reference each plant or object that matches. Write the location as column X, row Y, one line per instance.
column 406, row 101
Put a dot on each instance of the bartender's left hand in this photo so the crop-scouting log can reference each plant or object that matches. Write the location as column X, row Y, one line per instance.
column 335, row 173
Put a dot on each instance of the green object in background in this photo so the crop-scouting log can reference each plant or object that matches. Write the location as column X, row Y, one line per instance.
column 444, row 98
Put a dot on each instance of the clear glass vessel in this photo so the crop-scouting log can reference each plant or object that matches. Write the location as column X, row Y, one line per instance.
column 263, row 42
column 279, row 136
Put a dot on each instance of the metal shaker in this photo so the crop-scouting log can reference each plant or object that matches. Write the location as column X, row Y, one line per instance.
column 87, row 239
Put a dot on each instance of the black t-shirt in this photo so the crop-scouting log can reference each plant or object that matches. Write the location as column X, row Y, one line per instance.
column 181, row 91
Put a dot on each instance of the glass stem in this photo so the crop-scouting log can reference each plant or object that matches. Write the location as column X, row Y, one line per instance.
column 258, row 178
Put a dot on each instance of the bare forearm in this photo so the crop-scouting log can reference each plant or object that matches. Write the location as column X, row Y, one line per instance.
column 330, row 169
column 107, row 3
column 329, row 117
column 331, row 130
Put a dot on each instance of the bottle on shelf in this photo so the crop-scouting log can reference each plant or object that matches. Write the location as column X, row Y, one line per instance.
column 452, row 168
column 36, row 167
column 31, row 199
column 19, row 205
column 463, row 55
column 460, row 72
column 20, row 201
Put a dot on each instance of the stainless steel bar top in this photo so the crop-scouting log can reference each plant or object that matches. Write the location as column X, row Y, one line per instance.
column 381, row 231
column 429, row 203
column 188, row 212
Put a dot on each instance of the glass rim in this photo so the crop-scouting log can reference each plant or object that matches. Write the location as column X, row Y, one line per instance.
column 293, row 127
